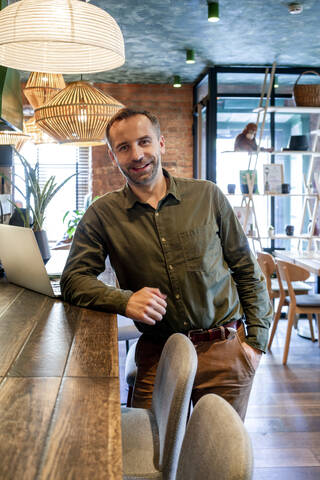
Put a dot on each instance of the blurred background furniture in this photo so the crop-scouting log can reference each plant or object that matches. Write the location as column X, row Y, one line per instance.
column 151, row 439
column 130, row 372
column 213, row 432
column 309, row 304
column 127, row 330
column 268, row 266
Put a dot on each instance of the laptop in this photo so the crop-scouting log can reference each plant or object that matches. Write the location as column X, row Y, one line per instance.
column 22, row 261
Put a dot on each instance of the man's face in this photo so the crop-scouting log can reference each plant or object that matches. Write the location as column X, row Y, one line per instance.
column 137, row 149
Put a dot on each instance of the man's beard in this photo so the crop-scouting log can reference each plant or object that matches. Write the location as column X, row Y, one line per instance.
column 140, row 179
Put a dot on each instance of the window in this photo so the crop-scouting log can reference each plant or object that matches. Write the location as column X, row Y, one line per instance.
column 232, row 95
column 61, row 161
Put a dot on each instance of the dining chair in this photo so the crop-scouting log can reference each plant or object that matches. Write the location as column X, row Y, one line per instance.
column 130, row 371
column 309, row 304
column 269, row 269
column 127, row 330
column 216, row 445
column 152, row 438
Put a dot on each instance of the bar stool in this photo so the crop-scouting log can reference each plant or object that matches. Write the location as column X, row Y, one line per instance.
column 130, row 372
column 127, row 330
column 213, row 430
column 152, row 438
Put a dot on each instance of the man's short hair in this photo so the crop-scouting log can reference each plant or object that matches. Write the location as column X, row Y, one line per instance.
column 126, row 113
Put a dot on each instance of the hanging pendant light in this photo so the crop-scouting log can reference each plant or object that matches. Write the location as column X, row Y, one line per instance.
column 78, row 114
column 59, row 36
column 37, row 135
column 41, row 87
column 16, row 139
column 176, row 81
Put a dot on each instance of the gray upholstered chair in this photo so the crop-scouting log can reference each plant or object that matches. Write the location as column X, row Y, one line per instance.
column 151, row 439
column 130, row 372
column 216, row 445
column 127, row 330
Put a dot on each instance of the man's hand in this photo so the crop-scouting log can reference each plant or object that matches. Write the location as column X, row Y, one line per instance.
column 253, row 353
column 147, row 305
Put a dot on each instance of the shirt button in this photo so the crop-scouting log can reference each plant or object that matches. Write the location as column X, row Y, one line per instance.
column 177, row 296
column 157, row 214
column 171, row 267
column 185, row 324
column 163, row 239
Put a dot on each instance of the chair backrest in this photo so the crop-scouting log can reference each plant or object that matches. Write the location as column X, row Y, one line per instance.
column 171, row 397
column 216, row 445
column 289, row 272
column 268, row 267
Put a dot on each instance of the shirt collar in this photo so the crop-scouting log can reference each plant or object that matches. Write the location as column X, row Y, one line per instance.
column 173, row 190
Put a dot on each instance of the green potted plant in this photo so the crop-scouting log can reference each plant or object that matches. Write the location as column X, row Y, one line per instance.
column 37, row 198
column 74, row 217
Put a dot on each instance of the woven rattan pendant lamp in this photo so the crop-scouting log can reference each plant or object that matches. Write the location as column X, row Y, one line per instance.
column 16, row 139
column 41, row 87
column 59, row 36
column 37, row 135
column 78, row 114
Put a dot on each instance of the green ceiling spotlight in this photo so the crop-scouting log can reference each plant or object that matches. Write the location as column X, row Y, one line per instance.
column 213, row 12
column 276, row 81
column 190, row 56
column 176, row 81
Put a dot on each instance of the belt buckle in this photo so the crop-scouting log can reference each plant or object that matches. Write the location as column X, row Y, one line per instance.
column 198, row 330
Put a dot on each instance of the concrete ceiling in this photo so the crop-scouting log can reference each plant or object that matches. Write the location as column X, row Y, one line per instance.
column 250, row 32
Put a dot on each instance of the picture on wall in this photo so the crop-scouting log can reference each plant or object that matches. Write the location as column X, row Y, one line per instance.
column 272, row 178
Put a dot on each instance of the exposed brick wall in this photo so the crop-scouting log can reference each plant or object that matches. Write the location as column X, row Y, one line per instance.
column 173, row 106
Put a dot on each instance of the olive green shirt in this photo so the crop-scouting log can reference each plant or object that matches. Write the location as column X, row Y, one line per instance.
column 192, row 247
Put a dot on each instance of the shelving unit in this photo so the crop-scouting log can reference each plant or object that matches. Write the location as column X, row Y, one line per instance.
column 311, row 200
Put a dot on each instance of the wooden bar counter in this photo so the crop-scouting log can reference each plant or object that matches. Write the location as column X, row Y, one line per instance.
column 59, row 393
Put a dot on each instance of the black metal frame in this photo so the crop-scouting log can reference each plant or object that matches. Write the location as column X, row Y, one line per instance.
column 211, row 136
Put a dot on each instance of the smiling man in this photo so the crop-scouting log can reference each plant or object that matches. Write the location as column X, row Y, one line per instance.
column 182, row 262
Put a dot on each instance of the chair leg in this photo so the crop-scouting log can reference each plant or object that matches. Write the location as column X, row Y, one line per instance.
column 291, row 316
column 129, row 397
column 275, row 323
column 311, row 327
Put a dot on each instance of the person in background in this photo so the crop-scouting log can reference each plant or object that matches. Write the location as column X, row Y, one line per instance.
column 182, row 262
column 246, row 140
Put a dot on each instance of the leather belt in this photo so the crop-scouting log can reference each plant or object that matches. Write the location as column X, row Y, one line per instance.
column 213, row 334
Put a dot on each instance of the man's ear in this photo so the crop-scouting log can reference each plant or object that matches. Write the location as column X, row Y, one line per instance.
column 162, row 144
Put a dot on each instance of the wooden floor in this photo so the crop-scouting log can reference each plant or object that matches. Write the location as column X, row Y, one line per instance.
column 283, row 417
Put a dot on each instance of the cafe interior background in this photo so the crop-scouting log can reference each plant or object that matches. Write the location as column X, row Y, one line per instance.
column 205, row 80
column 221, row 69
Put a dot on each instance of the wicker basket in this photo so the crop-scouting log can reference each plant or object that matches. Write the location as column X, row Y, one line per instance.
column 307, row 95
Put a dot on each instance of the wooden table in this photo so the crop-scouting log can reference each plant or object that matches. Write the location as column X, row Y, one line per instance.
column 308, row 260
column 311, row 262
column 59, row 392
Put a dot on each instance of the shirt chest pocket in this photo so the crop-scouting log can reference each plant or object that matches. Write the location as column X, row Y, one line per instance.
column 200, row 247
